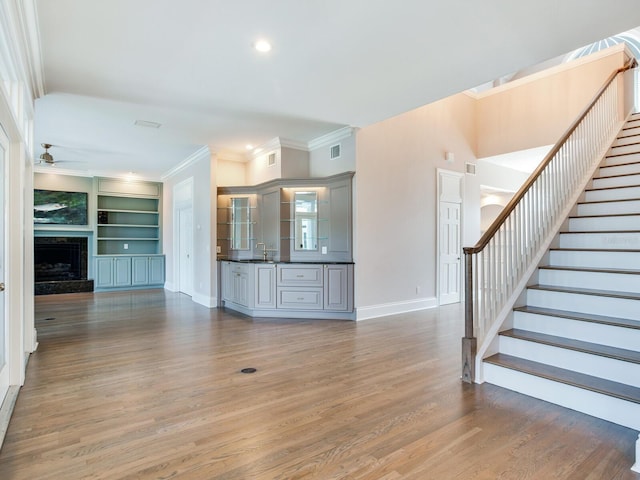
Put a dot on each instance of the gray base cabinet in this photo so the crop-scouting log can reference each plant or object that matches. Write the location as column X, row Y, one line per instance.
column 121, row 271
column 288, row 290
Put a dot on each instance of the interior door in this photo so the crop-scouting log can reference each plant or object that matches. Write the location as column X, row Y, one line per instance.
column 450, row 196
column 185, row 250
column 450, row 247
column 4, row 347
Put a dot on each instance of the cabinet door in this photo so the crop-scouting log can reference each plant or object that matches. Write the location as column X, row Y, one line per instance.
column 156, row 270
column 226, row 281
column 265, row 286
column 140, row 271
column 241, row 288
column 122, row 271
column 104, row 272
column 337, row 288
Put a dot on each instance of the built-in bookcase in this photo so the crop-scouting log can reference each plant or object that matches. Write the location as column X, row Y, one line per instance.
column 128, row 225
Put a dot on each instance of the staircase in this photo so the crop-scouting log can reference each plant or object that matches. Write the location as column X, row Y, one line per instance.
column 576, row 342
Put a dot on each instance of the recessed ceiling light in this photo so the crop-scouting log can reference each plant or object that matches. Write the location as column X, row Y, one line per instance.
column 249, row 147
column 147, row 123
column 262, row 46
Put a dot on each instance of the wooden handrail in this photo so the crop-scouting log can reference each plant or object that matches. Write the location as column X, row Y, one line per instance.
column 499, row 221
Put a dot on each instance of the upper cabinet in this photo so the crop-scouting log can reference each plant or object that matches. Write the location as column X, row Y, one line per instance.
column 297, row 220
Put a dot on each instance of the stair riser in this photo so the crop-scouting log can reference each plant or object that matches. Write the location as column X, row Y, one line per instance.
column 613, row 241
column 609, row 208
column 624, row 181
column 601, row 406
column 615, row 158
column 606, row 224
column 612, row 194
column 625, row 145
column 624, row 169
column 615, row 260
column 630, row 129
column 613, row 336
column 593, row 280
column 595, row 304
column 594, row 365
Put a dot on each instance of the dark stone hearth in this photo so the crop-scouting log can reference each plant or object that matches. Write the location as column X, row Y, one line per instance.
column 63, row 286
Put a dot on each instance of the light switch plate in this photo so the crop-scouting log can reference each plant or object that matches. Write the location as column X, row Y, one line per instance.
column 324, row 250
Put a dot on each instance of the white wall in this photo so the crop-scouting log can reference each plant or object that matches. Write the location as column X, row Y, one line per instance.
column 321, row 164
column 203, row 173
column 231, row 173
column 396, row 162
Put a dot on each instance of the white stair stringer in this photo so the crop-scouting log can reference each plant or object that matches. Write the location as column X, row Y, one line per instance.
column 598, row 405
column 576, row 340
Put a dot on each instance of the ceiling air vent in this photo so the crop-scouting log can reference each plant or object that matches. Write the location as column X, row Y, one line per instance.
column 334, row 152
column 271, row 160
column 470, row 168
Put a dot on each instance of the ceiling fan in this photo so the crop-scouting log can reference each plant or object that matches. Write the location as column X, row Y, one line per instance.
column 46, row 156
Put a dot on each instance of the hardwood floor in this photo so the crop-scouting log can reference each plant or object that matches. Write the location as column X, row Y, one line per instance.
column 147, row 385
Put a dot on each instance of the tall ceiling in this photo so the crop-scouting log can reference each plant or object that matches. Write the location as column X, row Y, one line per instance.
column 190, row 66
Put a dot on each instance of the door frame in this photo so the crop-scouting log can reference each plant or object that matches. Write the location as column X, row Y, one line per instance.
column 182, row 198
column 442, row 196
column 180, row 240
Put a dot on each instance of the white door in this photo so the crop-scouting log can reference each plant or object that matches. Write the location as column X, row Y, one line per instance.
column 450, row 248
column 185, row 250
column 4, row 346
column 450, row 195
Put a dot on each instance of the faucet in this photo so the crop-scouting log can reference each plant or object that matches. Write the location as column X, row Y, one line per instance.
column 264, row 250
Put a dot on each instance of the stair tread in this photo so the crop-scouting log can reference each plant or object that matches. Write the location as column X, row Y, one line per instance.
column 604, row 177
column 625, row 355
column 588, row 291
column 592, row 202
column 601, row 215
column 627, row 144
column 582, row 317
column 556, row 374
column 622, row 271
column 628, row 250
column 599, row 189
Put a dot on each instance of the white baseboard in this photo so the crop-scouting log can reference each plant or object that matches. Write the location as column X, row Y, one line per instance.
column 170, row 286
column 394, row 308
column 210, row 302
column 6, row 410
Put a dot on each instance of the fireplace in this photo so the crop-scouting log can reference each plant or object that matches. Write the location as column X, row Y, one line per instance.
column 60, row 265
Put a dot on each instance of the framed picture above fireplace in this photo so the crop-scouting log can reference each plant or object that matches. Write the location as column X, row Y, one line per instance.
column 51, row 207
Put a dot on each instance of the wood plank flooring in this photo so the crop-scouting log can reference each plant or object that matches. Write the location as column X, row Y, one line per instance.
column 147, row 385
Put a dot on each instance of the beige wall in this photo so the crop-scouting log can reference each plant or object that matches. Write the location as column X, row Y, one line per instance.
column 396, row 163
column 535, row 113
column 231, row 173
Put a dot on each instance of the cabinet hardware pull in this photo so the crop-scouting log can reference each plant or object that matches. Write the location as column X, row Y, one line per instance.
column 299, row 276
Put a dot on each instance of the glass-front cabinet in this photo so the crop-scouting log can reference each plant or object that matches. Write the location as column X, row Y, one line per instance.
column 301, row 220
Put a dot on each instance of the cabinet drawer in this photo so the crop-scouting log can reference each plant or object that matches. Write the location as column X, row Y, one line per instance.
column 298, row 275
column 300, row 298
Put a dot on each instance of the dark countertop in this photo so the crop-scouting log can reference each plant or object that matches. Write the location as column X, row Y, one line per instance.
column 259, row 260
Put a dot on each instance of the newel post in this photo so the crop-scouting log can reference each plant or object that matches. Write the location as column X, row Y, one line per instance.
column 469, row 342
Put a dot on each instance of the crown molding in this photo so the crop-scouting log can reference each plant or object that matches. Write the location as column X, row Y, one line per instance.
column 288, row 143
column 200, row 154
column 28, row 15
column 331, row 138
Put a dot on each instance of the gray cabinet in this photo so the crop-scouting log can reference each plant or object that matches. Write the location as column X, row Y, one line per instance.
column 121, row 271
column 289, row 231
column 338, row 287
column 113, row 272
column 147, row 270
column 265, row 291
column 301, row 290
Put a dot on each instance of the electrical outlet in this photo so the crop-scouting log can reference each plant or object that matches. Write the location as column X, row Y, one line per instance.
column 126, row 246
column 218, row 249
column 324, row 250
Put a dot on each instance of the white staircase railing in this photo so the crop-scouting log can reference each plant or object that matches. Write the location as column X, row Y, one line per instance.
column 499, row 262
